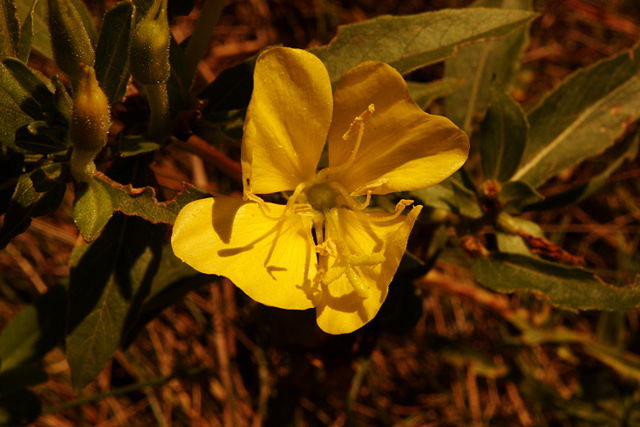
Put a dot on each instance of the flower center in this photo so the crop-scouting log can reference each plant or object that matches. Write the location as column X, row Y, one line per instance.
column 321, row 196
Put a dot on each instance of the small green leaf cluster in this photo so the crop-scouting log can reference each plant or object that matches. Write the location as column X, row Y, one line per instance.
column 56, row 129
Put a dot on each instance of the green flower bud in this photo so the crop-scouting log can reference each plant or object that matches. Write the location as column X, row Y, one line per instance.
column 149, row 62
column 69, row 38
column 90, row 124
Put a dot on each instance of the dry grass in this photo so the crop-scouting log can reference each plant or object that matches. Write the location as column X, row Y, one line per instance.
column 216, row 358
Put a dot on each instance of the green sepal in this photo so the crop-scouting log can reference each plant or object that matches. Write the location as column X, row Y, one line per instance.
column 149, row 57
column 503, row 135
column 70, row 39
column 112, row 52
column 9, row 29
column 37, row 193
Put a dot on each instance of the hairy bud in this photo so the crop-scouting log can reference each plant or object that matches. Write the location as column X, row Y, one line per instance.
column 90, row 124
column 71, row 43
column 150, row 46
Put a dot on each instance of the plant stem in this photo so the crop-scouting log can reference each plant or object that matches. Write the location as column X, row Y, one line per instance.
column 201, row 37
column 159, row 122
column 121, row 390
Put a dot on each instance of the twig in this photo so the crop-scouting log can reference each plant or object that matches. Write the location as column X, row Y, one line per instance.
column 220, row 341
column 27, row 268
column 212, row 155
column 121, row 390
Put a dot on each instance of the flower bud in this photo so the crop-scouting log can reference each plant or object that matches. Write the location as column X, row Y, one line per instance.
column 90, row 124
column 149, row 62
column 69, row 38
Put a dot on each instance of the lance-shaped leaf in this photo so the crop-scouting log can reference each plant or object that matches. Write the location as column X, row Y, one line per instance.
column 503, row 136
column 92, row 208
column 11, row 166
column 100, row 197
column 479, row 64
column 582, row 117
column 33, row 94
column 37, row 193
column 199, row 41
column 41, row 39
column 34, row 331
column 9, row 28
column 412, row 41
column 425, row 93
column 563, row 286
column 13, row 118
column 30, row 91
column 19, row 408
column 112, row 52
column 516, row 196
column 109, row 280
column 70, row 37
column 452, row 195
column 627, row 150
column 26, row 35
column 171, row 283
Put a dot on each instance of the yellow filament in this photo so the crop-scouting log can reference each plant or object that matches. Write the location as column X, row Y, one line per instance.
column 359, row 123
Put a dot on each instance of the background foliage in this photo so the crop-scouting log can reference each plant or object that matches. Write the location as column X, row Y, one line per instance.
column 517, row 305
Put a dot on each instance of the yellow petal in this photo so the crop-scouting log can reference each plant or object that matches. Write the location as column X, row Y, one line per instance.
column 271, row 260
column 364, row 238
column 287, row 120
column 403, row 148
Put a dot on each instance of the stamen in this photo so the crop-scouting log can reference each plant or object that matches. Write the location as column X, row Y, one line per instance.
column 264, row 208
column 349, row 200
column 357, row 283
column 373, row 259
column 359, row 122
column 332, row 275
column 400, row 207
column 366, row 113
column 296, row 193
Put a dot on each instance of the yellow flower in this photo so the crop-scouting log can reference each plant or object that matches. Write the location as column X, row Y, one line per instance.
column 321, row 249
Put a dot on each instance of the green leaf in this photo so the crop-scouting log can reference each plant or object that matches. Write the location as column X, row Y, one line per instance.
column 112, row 52
column 514, row 244
column 9, row 28
column 26, row 34
column 41, row 39
column 131, row 145
column 479, row 64
column 452, row 195
column 33, row 94
column 11, row 164
column 19, row 408
column 627, row 150
column 101, row 196
column 565, row 287
column 30, row 91
column 13, row 118
column 503, row 136
column 231, row 90
column 92, row 209
column 582, row 117
column 626, row 363
column 34, row 331
column 142, row 202
column 413, row 41
column 425, row 93
column 171, row 283
column 22, row 376
column 37, row 193
column 516, row 196
column 109, row 279
column 199, row 41
column 178, row 87
column 87, row 20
